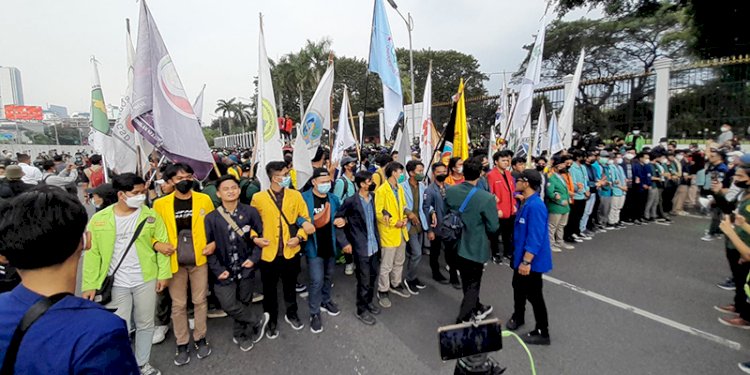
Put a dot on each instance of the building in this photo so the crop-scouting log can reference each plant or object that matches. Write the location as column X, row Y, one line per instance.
column 60, row 111
column 11, row 89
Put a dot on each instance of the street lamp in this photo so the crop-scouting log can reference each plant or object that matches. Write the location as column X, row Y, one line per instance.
column 409, row 26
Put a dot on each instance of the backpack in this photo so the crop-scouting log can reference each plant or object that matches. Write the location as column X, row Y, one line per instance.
column 244, row 185
column 71, row 188
column 96, row 178
column 346, row 186
column 452, row 226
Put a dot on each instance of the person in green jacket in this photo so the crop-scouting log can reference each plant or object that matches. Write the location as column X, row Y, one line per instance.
column 480, row 221
column 141, row 266
column 635, row 139
column 558, row 204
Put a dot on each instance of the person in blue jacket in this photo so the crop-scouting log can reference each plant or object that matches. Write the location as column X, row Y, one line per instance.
column 321, row 249
column 532, row 258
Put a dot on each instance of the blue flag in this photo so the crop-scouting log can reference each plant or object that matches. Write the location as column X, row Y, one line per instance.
column 383, row 62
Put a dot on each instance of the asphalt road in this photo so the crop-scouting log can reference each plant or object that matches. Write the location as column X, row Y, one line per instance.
column 651, row 314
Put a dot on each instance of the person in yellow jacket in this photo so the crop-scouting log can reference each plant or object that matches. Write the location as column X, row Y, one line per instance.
column 286, row 223
column 183, row 212
column 378, row 177
column 390, row 203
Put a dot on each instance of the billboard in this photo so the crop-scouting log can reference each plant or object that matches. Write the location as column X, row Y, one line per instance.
column 23, row 112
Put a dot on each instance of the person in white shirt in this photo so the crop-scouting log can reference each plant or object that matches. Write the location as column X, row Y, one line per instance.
column 66, row 177
column 32, row 175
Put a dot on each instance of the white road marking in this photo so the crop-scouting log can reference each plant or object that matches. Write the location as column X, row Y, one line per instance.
column 668, row 322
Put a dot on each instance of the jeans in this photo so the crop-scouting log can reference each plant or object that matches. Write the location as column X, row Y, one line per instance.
column 270, row 273
column 198, row 278
column 236, row 300
column 391, row 267
column 413, row 255
column 319, row 287
column 139, row 303
column 556, row 223
column 605, row 205
column 653, row 203
column 614, row 211
column 589, row 208
column 366, row 271
column 529, row 288
column 471, row 280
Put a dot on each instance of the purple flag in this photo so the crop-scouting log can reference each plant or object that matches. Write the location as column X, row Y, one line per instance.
column 162, row 112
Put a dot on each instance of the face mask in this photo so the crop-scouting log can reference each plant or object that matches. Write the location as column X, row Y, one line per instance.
column 679, row 157
column 401, row 178
column 460, row 170
column 324, row 188
column 610, row 162
column 135, row 201
column 619, row 161
column 486, row 168
column 286, row 181
column 636, row 132
column 371, row 187
column 724, row 130
column 603, row 160
column 742, row 184
column 539, row 168
column 184, row 186
column 663, row 144
column 419, row 177
column 440, row 177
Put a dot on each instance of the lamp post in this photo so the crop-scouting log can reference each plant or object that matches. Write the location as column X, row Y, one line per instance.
column 409, row 26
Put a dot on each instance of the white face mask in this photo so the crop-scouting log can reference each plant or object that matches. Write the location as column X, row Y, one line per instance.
column 636, row 132
column 460, row 170
column 679, row 157
column 619, row 161
column 629, row 156
column 135, row 201
column 724, row 130
column 610, row 161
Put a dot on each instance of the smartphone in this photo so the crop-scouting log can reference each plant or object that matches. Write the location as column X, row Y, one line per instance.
column 466, row 339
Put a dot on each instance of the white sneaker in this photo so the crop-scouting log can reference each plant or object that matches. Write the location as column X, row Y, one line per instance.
column 349, row 269
column 147, row 369
column 191, row 323
column 556, row 249
column 566, row 246
column 160, row 333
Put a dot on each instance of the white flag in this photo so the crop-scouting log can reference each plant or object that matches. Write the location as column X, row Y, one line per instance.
column 269, row 142
column 555, row 141
column 317, row 117
column 501, row 115
column 403, row 145
column 521, row 121
column 344, row 137
column 541, row 131
column 566, row 115
column 198, row 105
column 425, row 136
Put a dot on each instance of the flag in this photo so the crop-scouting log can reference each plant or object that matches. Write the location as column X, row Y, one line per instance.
column 383, row 61
column 446, row 146
column 162, row 113
column 566, row 115
column 99, row 120
column 267, row 132
column 541, row 131
column 316, row 118
column 403, row 145
column 555, row 141
column 344, row 137
column 501, row 115
column 520, row 133
column 425, row 136
column 461, row 135
column 491, row 148
column 198, row 105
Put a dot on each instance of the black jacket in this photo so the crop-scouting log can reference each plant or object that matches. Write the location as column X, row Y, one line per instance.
column 355, row 231
column 217, row 230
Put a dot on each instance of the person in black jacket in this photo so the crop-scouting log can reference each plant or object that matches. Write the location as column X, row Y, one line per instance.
column 233, row 228
column 357, row 234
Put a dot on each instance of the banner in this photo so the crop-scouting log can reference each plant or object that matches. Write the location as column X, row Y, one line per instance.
column 461, row 136
column 520, row 128
column 555, row 141
column 344, row 137
column 566, row 115
column 425, row 135
column 317, row 117
column 541, row 143
column 23, row 112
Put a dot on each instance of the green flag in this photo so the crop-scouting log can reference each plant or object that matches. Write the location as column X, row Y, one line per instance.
column 99, row 120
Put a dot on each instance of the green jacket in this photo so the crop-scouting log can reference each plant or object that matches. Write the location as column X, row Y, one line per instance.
column 479, row 218
column 102, row 227
column 556, row 185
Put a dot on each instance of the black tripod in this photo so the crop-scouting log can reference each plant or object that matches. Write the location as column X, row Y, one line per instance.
column 479, row 364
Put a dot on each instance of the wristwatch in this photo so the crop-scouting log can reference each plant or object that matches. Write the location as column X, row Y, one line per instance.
column 525, row 263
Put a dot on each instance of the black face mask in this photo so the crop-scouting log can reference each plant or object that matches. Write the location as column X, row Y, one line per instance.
column 371, row 187
column 184, row 186
column 539, row 168
column 486, row 168
column 742, row 184
column 440, row 177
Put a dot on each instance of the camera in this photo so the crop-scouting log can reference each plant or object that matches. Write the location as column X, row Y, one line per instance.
column 469, row 344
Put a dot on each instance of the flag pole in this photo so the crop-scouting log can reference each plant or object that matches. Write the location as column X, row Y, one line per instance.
column 351, row 125
column 330, row 109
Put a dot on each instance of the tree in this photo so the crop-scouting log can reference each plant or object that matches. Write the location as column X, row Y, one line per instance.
column 210, row 134
column 226, row 108
column 242, row 114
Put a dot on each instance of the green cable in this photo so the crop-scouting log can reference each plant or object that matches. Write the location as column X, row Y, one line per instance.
column 523, row 344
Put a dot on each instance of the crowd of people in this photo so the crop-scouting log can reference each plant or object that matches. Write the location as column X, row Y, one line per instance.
column 165, row 248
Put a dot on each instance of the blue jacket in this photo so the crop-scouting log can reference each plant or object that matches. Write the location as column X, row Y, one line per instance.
column 433, row 202
column 311, row 246
column 410, row 204
column 530, row 235
column 643, row 174
column 355, row 231
column 579, row 176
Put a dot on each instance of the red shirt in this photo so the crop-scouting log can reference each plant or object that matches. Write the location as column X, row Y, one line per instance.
column 289, row 125
column 502, row 186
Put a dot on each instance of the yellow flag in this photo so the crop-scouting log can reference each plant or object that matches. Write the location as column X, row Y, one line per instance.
column 461, row 131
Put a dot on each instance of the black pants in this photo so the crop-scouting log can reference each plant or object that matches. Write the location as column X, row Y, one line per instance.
column 436, row 247
column 574, row 219
column 270, row 273
column 639, row 204
column 529, row 288
column 504, row 234
column 366, row 270
column 666, row 197
column 235, row 299
column 163, row 308
column 628, row 208
column 471, row 280
column 739, row 275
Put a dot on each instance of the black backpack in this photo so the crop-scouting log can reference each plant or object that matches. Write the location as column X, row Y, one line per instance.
column 452, row 226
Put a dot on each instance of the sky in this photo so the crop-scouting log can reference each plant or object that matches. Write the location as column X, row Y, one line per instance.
column 216, row 41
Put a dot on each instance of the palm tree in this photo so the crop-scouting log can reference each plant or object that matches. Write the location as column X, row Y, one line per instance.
column 226, row 107
column 242, row 114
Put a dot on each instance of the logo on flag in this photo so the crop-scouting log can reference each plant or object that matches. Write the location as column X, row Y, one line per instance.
column 312, row 126
column 171, row 87
column 269, row 118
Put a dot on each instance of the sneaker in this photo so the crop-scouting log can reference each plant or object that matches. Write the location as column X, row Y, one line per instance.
column 349, row 269
column 708, row 237
column 497, row 259
column 744, row 367
column 726, row 309
column 483, row 312
column 400, row 291
column 301, row 290
column 316, row 325
column 330, row 308
column 419, row 284
column 574, row 240
column 202, row 348
column 682, row 213
column 373, row 309
column 440, row 279
column 160, row 333
column 628, row 222
column 556, row 249
column 216, row 313
column 294, row 321
column 600, row 230
column 513, row 324
column 735, row 322
column 273, row 331
column 536, row 337
column 147, row 369
column 566, row 246
column 182, row 357
column 663, row 222
column 411, row 288
column 384, row 300
column 191, row 324
column 246, row 344
column 588, row 233
column 260, row 328
column 257, row 297
column 610, row 227
column 728, row 284
column 366, row 318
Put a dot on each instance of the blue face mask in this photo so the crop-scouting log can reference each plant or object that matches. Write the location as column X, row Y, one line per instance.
column 324, row 188
column 401, row 178
column 286, row 182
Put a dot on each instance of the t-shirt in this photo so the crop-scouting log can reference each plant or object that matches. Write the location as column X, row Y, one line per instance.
column 278, row 198
column 74, row 336
column 743, row 209
column 183, row 213
column 129, row 274
column 323, row 232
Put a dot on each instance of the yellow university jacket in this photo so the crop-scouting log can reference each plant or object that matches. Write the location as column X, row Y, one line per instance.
column 385, row 199
column 202, row 205
column 294, row 208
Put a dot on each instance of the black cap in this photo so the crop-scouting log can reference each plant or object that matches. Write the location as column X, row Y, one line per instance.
column 532, row 176
column 319, row 172
column 247, row 167
column 102, row 190
column 347, row 159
